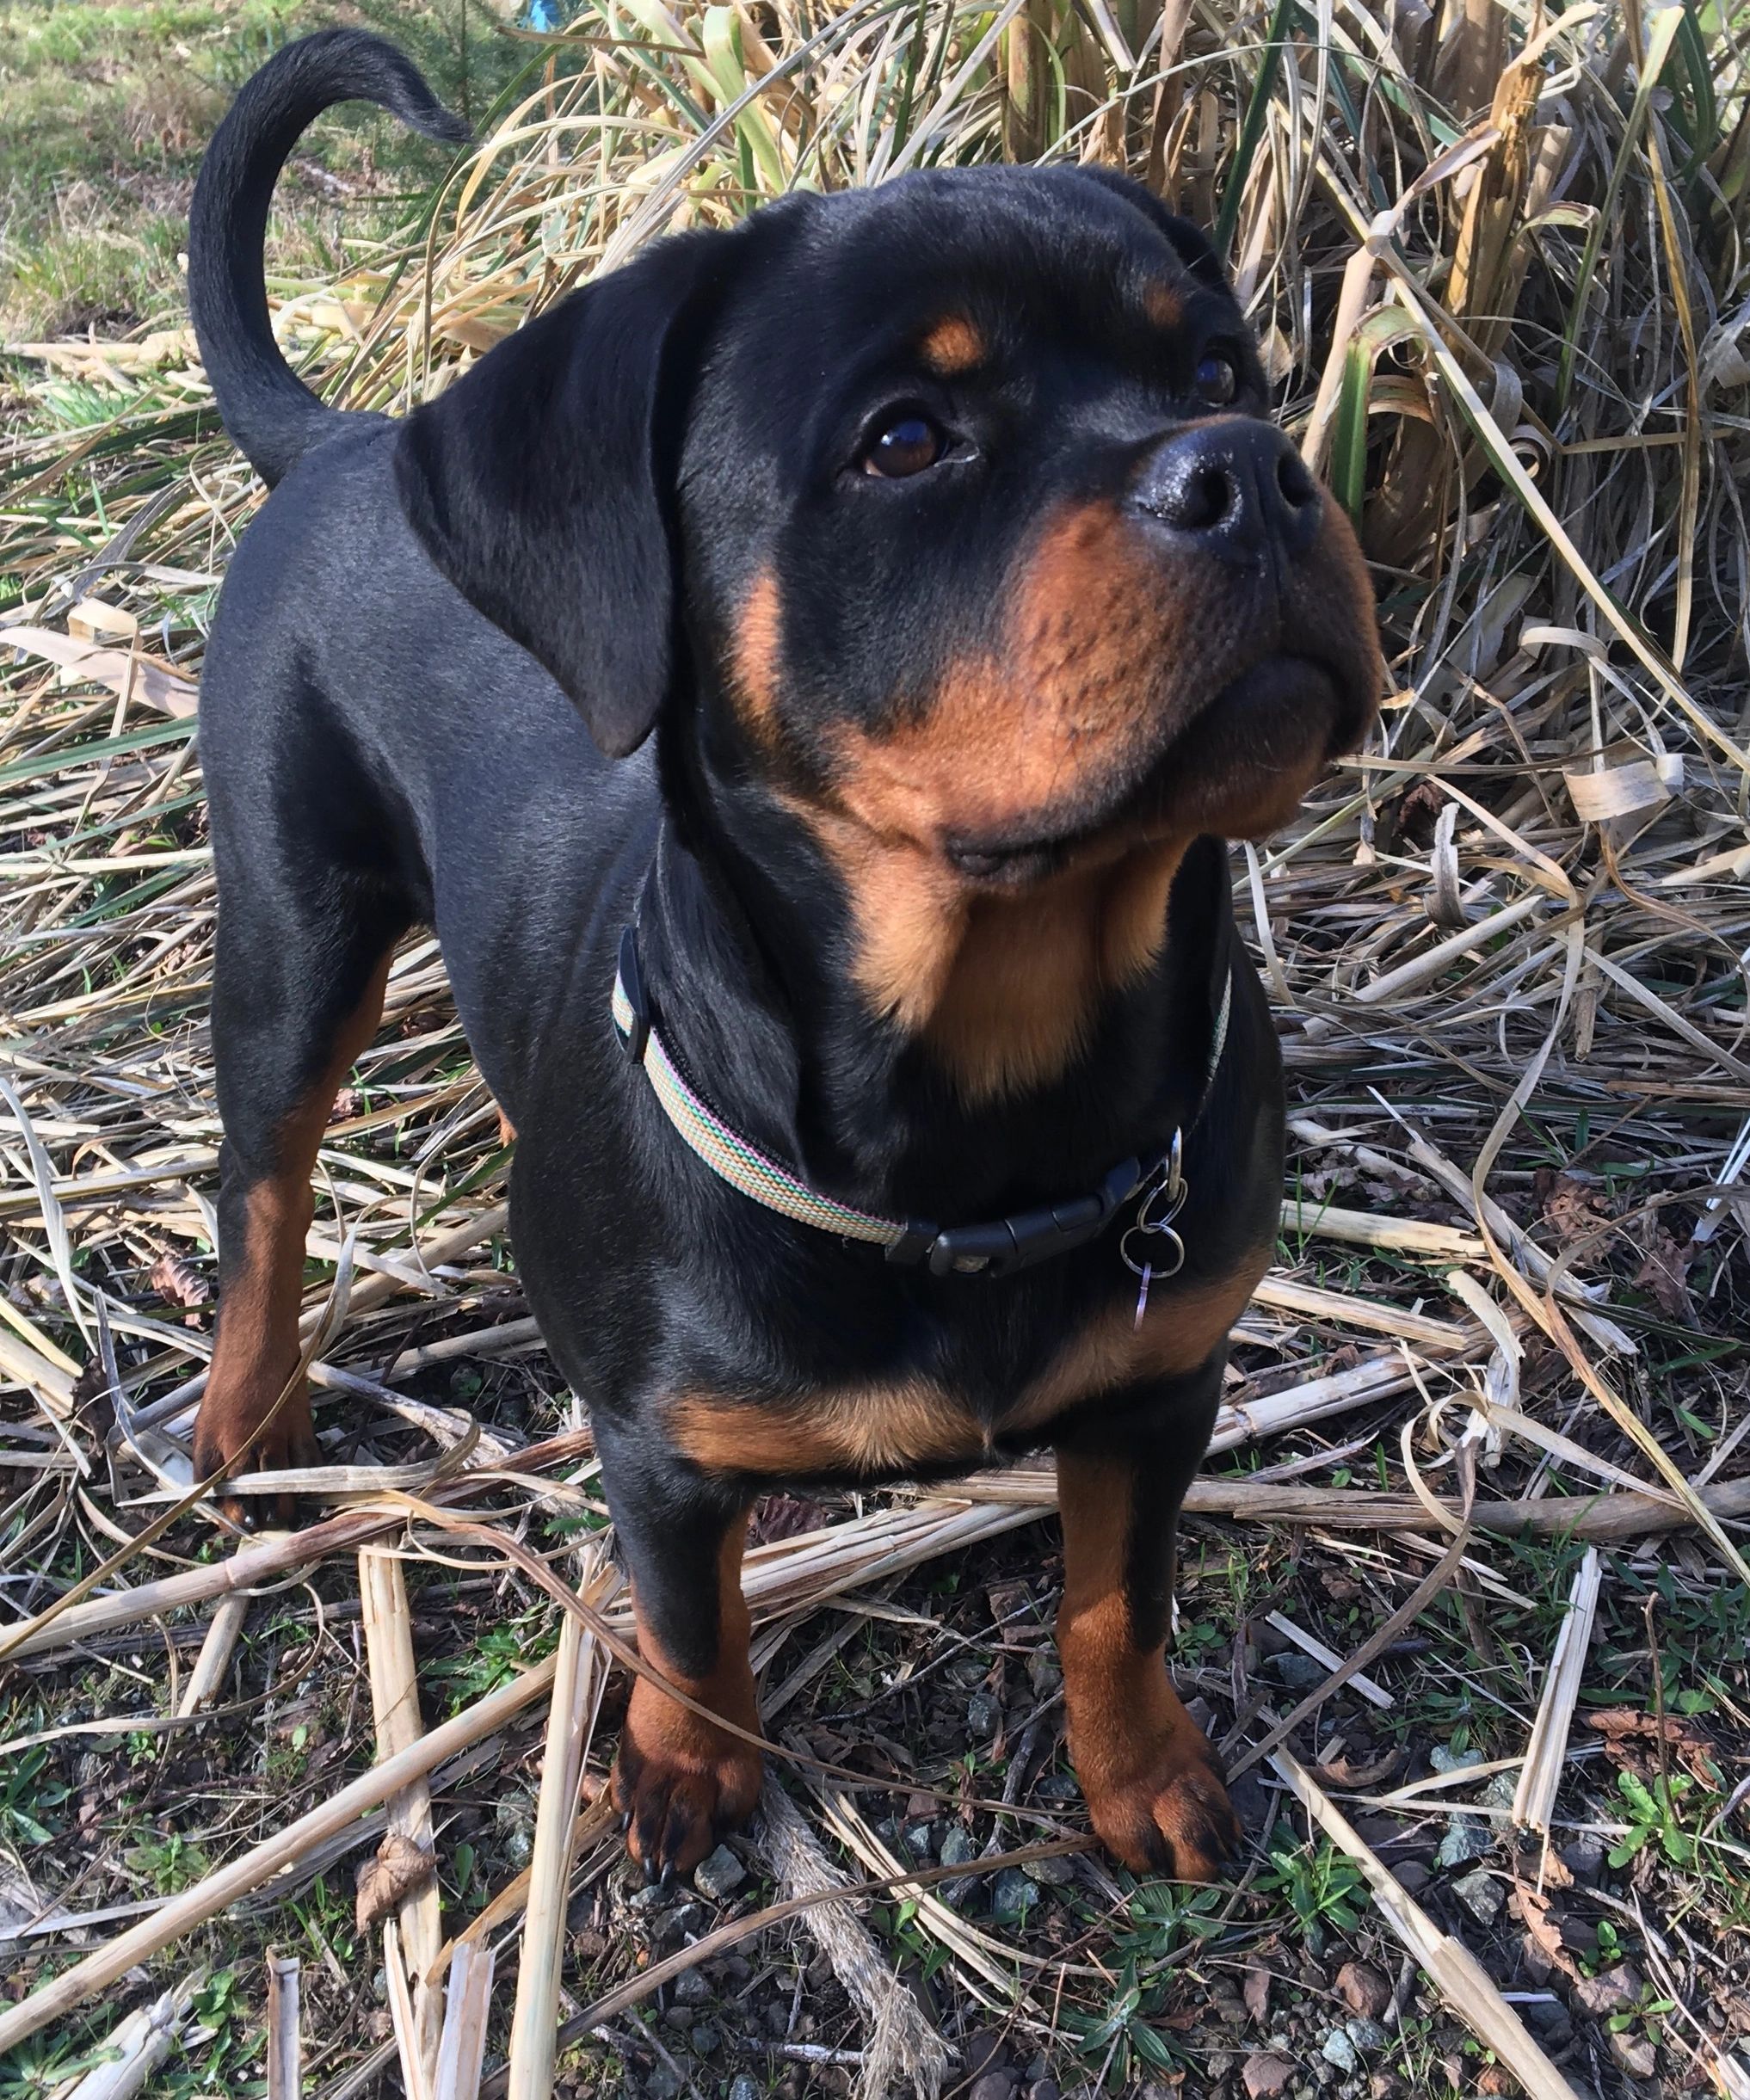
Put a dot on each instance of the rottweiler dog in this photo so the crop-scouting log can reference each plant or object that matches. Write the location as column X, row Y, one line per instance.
column 806, row 678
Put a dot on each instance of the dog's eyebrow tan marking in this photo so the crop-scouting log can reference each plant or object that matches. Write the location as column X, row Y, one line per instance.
column 953, row 345
column 1162, row 305
column 755, row 662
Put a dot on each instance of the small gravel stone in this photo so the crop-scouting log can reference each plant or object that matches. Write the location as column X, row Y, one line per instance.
column 1481, row 1894
column 1056, row 1872
column 1635, row 2054
column 662, row 2083
column 652, row 1897
column 1584, row 1860
column 1445, row 1760
column 705, row 2037
column 983, row 2051
column 1368, row 2035
column 720, row 1876
column 994, row 2085
column 1043, row 1674
column 746, row 2089
column 958, row 1847
column 1363, row 1990
column 1302, row 1672
column 694, row 1988
column 1467, row 1837
column 1338, row 2049
column 1500, row 1791
column 983, row 1714
column 1014, row 1894
column 1265, row 2077
column 920, row 1839
column 1616, row 1990
column 1548, row 2018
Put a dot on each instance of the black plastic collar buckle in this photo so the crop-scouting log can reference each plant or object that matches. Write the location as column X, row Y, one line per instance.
column 1007, row 1244
column 632, row 984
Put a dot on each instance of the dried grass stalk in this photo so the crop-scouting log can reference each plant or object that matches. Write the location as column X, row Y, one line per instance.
column 1603, row 1517
column 581, row 1668
column 284, row 2029
column 411, row 1942
column 223, row 1631
column 1534, row 1800
column 902, row 2052
column 462, row 2046
column 141, row 2043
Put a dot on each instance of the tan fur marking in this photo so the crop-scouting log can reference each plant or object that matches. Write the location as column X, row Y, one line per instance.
column 1163, row 305
column 889, row 1429
column 1111, row 653
column 683, row 1780
column 1005, row 988
column 1179, row 1330
column 755, row 668
column 1153, row 1790
column 1019, row 998
column 876, row 1429
column 255, row 1350
column 953, row 346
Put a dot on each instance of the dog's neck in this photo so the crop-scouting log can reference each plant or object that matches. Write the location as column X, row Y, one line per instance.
column 753, row 991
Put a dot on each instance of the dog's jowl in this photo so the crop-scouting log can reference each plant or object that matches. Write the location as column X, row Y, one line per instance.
column 806, row 679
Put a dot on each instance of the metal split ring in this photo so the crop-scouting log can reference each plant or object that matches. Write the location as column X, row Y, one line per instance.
column 1167, row 1261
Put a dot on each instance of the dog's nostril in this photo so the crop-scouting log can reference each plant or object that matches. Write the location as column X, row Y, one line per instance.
column 1205, row 497
column 1297, row 486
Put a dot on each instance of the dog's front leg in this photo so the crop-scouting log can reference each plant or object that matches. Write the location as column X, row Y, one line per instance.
column 682, row 1780
column 1152, row 1783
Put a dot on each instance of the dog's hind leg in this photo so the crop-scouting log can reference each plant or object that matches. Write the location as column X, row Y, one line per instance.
column 297, row 992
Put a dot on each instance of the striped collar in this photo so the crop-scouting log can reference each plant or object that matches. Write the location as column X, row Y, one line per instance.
column 996, row 1248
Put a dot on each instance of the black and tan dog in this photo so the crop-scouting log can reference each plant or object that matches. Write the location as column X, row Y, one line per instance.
column 864, row 1027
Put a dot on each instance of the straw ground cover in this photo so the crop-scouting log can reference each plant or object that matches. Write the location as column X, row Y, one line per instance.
column 1483, row 1463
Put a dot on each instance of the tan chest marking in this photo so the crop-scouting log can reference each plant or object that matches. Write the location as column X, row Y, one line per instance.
column 890, row 1429
column 859, row 1429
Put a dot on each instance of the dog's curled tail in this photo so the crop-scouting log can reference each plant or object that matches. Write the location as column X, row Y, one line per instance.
column 271, row 414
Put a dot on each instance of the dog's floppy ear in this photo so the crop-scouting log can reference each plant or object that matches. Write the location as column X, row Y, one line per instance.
column 1192, row 245
column 540, row 482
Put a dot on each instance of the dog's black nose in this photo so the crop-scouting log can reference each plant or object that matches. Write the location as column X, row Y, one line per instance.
column 1237, row 487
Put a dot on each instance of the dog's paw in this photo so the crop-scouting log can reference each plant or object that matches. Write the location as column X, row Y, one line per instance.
column 1168, row 1813
column 232, row 1436
column 681, row 1783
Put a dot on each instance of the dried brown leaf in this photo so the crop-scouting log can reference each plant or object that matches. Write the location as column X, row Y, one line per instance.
column 398, row 1867
column 178, row 1282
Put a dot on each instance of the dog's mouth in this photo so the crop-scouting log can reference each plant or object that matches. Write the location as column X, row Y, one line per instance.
column 1248, row 753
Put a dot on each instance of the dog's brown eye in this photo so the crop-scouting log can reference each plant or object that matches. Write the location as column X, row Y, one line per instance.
column 1217, row 378
column 906, row 445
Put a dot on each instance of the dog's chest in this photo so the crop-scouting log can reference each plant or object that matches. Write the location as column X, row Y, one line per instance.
column 897, row 1425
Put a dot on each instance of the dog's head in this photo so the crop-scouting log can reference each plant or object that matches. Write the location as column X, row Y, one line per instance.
column 950, row 515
